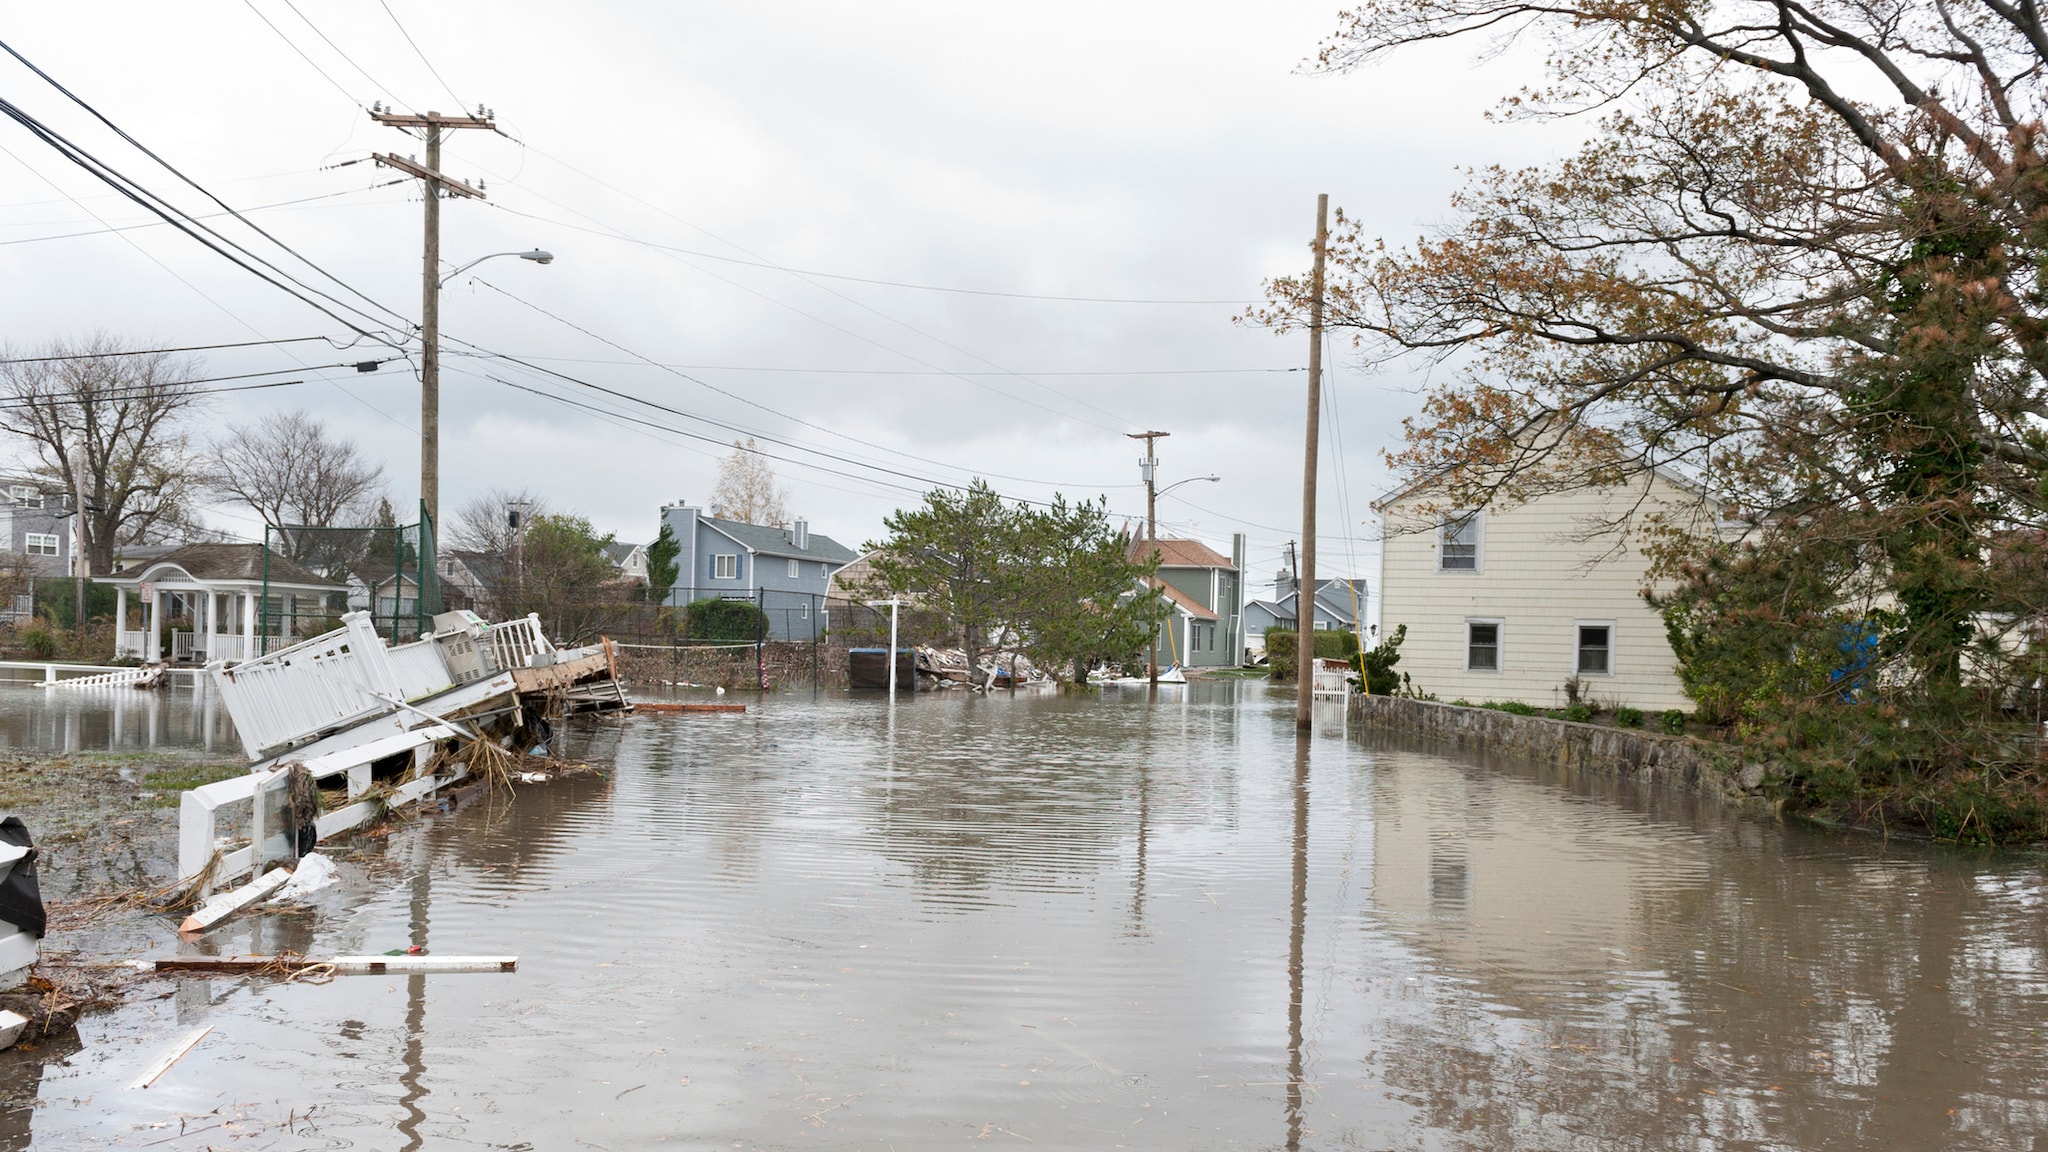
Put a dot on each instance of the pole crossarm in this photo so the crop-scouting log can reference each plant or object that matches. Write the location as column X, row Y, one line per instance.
column 447, row 184
column 432, row 120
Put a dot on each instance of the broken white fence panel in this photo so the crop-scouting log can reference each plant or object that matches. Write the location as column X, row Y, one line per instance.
column 11, row 1024
column 163, row 1063
column 340, row 965
column 146, row 676
column 223, row 905
column 419, row 669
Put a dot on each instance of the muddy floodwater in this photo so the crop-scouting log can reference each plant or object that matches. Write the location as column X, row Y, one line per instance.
column 1099, row 922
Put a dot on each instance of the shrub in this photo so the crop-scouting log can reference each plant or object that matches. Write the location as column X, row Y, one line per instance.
column 40, row 641
column 732, row 621
column 1512, row 707
column 1579, row 713
column 1628, row 717
column 1674, row 722
column 1281, row 644
column 1377, row 666
column 1461, row 704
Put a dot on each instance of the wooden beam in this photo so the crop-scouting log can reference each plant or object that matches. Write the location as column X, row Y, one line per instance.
column 453, row 186
column 667, row 706
column 176, row 1053
column 431, row 120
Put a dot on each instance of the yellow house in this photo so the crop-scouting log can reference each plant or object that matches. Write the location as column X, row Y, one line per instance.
column 1509, row 601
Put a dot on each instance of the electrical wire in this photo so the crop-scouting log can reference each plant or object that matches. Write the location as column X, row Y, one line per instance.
column 195, row 185
column 360, row 70
column 206, row 216
column 730, row 395
column 877, row 281
column 422, row 55
column 167, row 351
column 917, row 372
column 346, row 94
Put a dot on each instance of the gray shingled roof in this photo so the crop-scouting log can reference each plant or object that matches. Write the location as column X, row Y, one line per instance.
column 229, row 562
column 775, row 542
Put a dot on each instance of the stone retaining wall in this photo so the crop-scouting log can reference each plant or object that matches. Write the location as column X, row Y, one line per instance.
column 1677, row 762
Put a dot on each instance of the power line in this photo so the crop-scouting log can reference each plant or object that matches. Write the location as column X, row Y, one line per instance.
column 195, row 185
column 867, row 339
column 166, row 351
column 880, row 282
column 730, row 395
column 346, row 94
column 374, row 83
column 206, row 216
column 917, row 372
column 421, row 55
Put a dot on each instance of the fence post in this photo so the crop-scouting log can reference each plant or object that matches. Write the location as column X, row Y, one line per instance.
column 761, row 638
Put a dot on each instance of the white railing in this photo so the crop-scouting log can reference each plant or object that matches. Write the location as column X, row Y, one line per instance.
column 419, row 669
column 1332, row 678
column 266, row 838
column 132, row 642
column 514, row 643
column 310, row 687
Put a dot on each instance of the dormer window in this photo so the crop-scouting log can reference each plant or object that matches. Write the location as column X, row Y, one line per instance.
column 25, row 495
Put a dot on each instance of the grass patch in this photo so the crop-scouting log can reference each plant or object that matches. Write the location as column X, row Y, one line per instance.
column 167, row 782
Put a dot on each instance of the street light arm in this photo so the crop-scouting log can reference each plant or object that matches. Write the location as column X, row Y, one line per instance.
column 537, row 255
column 1189, row 480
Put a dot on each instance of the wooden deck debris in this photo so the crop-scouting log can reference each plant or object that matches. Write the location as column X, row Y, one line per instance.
column 673, row 706
column 335, row 965
column 176, row 1053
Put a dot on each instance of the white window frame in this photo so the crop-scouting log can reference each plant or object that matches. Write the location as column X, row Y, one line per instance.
column 1477, row 519
column 25, row 495
column 54, row 542
column 804, row 612
column 793, row 569
column 1578, row 647
column 725, row 566
column 1500, row 642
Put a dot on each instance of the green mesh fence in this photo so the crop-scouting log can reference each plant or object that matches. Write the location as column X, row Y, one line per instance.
column 312, row 575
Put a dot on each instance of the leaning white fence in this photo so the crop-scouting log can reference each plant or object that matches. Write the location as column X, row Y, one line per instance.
column 315, row 686
column 269, row 834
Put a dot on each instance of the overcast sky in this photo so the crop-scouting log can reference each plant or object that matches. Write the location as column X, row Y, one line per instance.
column 666, row 151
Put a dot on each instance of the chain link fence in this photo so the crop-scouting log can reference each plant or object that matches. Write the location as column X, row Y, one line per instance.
column 313, row 575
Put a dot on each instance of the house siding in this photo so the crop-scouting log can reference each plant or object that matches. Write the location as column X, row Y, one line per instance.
column 1539, row 579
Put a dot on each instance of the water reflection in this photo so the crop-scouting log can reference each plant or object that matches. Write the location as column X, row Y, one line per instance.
column 114, row 719
column 1061, row 920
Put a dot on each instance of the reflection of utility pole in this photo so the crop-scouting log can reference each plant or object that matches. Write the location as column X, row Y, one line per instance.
column 1148, row 468
column 1304, row 615
column 1296, row 933
column 433, row 185
column 81, row 565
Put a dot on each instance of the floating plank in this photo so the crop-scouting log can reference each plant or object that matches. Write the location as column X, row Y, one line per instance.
column 225, row 904
column 11, row 1024
column 177, row 1053
column 668, row 706
column 339, row 965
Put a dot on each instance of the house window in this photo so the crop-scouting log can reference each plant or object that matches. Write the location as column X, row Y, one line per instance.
column 1596, row 648
column 25, row 495
column 725, row 567
column 42, row 544
column 792, row 569
column 1458, row 543
column 1482, row 645
column 804, row 610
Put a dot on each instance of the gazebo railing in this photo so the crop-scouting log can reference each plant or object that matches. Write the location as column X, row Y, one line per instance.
column 311, row 687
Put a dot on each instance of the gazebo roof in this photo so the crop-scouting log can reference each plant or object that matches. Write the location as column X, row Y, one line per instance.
column 237, row 564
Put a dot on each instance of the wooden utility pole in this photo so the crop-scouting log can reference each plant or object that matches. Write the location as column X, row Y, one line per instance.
column 1149, row 468
column 435, row 185
column 1304, row 600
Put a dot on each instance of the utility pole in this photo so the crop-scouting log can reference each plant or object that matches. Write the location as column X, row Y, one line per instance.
column 81, row 563
column 434, row 185
column 1304, row 600
column 1148, row 468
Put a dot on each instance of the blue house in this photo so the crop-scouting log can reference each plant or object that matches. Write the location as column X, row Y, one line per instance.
column 784, row 570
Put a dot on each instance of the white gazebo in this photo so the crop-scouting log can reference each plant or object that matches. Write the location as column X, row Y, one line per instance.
column 219, row 587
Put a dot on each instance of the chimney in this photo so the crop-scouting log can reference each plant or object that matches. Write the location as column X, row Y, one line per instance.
column 801, row 535
column 1283, row 583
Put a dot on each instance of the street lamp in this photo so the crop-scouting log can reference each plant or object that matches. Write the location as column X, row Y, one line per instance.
column 1152, row 534
column 430, row 361
column 537, row 255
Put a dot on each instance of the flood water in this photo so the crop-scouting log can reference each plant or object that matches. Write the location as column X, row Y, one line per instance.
column 187, row 715
column 1102, row 922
